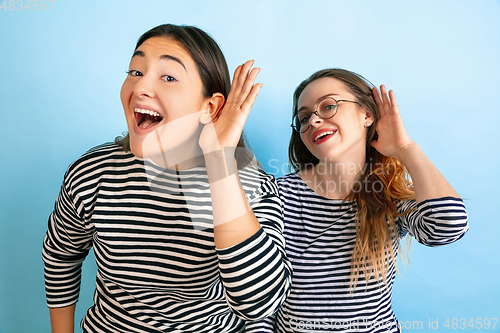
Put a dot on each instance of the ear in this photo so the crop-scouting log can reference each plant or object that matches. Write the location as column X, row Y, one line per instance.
column 212, row 107
column 369, row 119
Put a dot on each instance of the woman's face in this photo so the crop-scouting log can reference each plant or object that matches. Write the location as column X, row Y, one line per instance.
column 345, row 138
column 162, row 97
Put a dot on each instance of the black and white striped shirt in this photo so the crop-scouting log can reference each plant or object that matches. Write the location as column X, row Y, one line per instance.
column 152, row 234
column 320, row 237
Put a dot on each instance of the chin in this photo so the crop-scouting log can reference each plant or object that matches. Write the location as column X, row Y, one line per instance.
column 146, row 145
column 328, row 155
column 136, row 147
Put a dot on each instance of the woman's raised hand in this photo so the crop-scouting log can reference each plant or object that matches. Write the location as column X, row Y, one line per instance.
column 392, row 135
column 226, row 130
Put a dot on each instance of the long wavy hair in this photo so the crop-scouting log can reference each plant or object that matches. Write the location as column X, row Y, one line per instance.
column 211, row 66
column 376, row 209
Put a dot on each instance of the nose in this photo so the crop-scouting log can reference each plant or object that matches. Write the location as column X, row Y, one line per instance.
column 143, row 87
column 315, row 120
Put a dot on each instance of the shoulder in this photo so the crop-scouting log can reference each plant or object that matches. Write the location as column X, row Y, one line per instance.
column 290, row 181
column 289, row 178
column 255, row 173
column 97, row 159
column 99, row 154
column 293, row 189
column 257, row 183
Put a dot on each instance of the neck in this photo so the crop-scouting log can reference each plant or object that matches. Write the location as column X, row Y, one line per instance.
column 183, row 157
column 334, row 179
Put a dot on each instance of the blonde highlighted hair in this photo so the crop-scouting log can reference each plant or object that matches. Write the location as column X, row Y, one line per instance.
column 376, row 214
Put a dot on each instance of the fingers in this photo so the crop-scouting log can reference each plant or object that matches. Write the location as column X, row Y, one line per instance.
column 393, row 100
column 385, row 102
column 385, row 98
column 249, row 83
column 240, row 75
column 247, row 105
column 379, row 101
column 376, row 97
column 236, row 75
column 243, row 84
column 235, row 83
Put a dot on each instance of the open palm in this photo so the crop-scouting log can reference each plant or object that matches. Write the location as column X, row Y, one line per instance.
column 226, row 130
column 392, row 135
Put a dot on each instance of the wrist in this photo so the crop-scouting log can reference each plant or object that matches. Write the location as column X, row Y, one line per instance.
column 407, row 152
column 210, row 149
column 220, row 164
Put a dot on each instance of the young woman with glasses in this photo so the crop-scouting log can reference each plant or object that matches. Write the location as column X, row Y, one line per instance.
column 186, row 230
column 349, row 203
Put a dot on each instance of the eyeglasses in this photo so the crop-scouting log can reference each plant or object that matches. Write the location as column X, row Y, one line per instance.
column 326, row 109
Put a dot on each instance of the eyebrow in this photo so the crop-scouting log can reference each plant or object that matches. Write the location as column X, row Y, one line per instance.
column 319, row 98
column 163, row 56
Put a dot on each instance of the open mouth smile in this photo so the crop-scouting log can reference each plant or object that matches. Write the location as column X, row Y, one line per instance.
column 146, row 119
column 323, row 136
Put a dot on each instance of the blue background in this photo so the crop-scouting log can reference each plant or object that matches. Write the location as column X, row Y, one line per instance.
column 61, row 73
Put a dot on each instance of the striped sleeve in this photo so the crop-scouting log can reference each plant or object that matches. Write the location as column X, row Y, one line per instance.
column 435, row 222
column 65, row 246
column 266, row 325
column 256, row 272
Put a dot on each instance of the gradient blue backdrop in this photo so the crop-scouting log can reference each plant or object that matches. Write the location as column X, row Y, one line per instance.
column 61, row 73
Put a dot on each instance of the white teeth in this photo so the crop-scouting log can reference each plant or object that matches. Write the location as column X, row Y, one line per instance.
column 150, row 112
column 322, row 135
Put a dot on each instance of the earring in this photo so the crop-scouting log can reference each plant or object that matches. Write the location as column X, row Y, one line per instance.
column 368, row 124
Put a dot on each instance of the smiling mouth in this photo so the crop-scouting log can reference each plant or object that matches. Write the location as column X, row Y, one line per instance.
column 323, row 135
column 147, row 118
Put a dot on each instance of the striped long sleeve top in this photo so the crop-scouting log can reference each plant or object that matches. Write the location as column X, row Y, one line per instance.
column 320, row 236
column 152, row 234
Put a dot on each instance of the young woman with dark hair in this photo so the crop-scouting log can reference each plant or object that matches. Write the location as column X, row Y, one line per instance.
column 360, row 185
column 185, row 226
